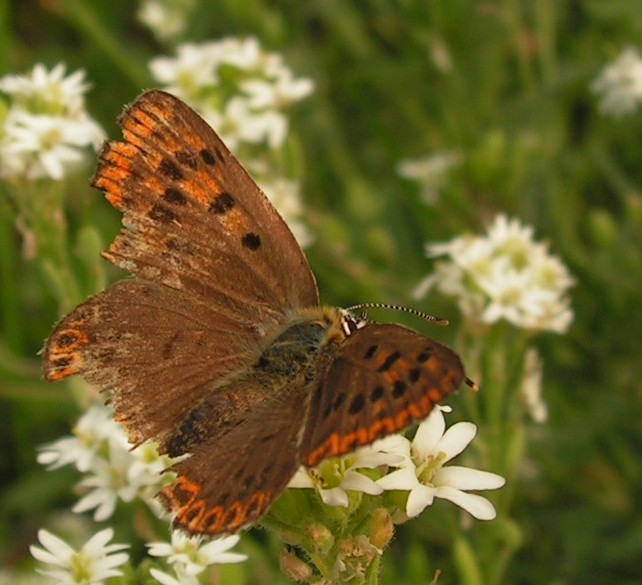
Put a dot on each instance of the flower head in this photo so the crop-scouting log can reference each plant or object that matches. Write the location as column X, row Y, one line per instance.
column 94, row 562
column 239, row 88
column 506, row 275
column 189, row 556
column 619, row 84
column 113, row 471
column 46, row 128
column 424, row 475
column 333, row 477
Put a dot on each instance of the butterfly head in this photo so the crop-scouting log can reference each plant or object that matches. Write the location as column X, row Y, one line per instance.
column 351, row 322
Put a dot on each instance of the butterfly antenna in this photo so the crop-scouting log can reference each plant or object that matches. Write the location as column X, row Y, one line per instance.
column 363, row 307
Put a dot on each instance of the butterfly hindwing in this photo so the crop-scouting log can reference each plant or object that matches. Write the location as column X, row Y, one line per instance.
column 235, row 474
column 157, row 355
column 383, row 378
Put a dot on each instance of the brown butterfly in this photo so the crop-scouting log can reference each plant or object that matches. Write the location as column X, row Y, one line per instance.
column 218, row 347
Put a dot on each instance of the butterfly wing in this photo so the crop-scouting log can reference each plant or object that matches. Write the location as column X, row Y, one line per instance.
column 234, row 475
column 159, row 354
column 217, row 271
column 384, row 378
column 194, row 219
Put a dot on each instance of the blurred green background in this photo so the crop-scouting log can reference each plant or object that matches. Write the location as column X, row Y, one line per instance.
column 507, row 84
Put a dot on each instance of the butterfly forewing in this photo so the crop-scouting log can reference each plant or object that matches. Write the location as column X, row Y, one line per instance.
column 384, row 378
column 194, row 219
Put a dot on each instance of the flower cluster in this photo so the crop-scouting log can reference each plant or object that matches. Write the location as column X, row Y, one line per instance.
column 240, row 89
column 190, row 556
column 416, row 467
column 44, row 127
column 94, row 562
column 619, row 84
column 100, row 450
column 505, row 275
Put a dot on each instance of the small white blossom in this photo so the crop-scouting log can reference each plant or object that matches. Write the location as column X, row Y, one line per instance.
column 91, row 433
column 239, row 89
column 424, row 476
column 48, row 92
column 619, row 84
column 45, row 130
column 430, row 172
column 94, row 562
column 333, row 477
column 278, row 92
column 113, row 471
column 505, row 275
column 189, row 556
column 167, row 19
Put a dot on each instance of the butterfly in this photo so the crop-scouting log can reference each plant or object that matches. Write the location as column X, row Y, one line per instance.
column 217, row 348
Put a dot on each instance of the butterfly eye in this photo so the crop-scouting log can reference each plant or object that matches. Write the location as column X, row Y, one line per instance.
column 350, row 324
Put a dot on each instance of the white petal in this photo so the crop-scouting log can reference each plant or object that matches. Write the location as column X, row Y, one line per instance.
column 401, row 479
column 428, row 434
column 301, row 479
column 99, row 540
column 163, row 578
column 456, row 439
column 358, row 482
column 418, row 499
column 477, row 506
column 46, row 557
column 55, row 545
column 464, row 478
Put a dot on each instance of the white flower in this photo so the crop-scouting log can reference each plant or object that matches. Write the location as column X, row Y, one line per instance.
column 191, row 555
column 334, row 476
column 47, row 145
column 505, row 275
column 165, row 18
column 48, row 92
column 424, row 476
column 113, row 471
column 620, row 84
column 430, row 172
column 277, row 93
column 237, row 123
column 93, row 563
column 46, row 129
column 194, row 68
column 239, row 89
column 91, row 432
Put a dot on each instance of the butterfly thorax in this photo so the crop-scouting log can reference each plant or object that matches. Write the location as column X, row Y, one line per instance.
column 304, row 346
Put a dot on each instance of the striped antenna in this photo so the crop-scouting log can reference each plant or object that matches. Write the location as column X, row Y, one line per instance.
column 416, row 312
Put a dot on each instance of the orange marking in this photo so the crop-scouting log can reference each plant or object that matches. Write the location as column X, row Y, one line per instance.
column 385, row 424
column 238, row 512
